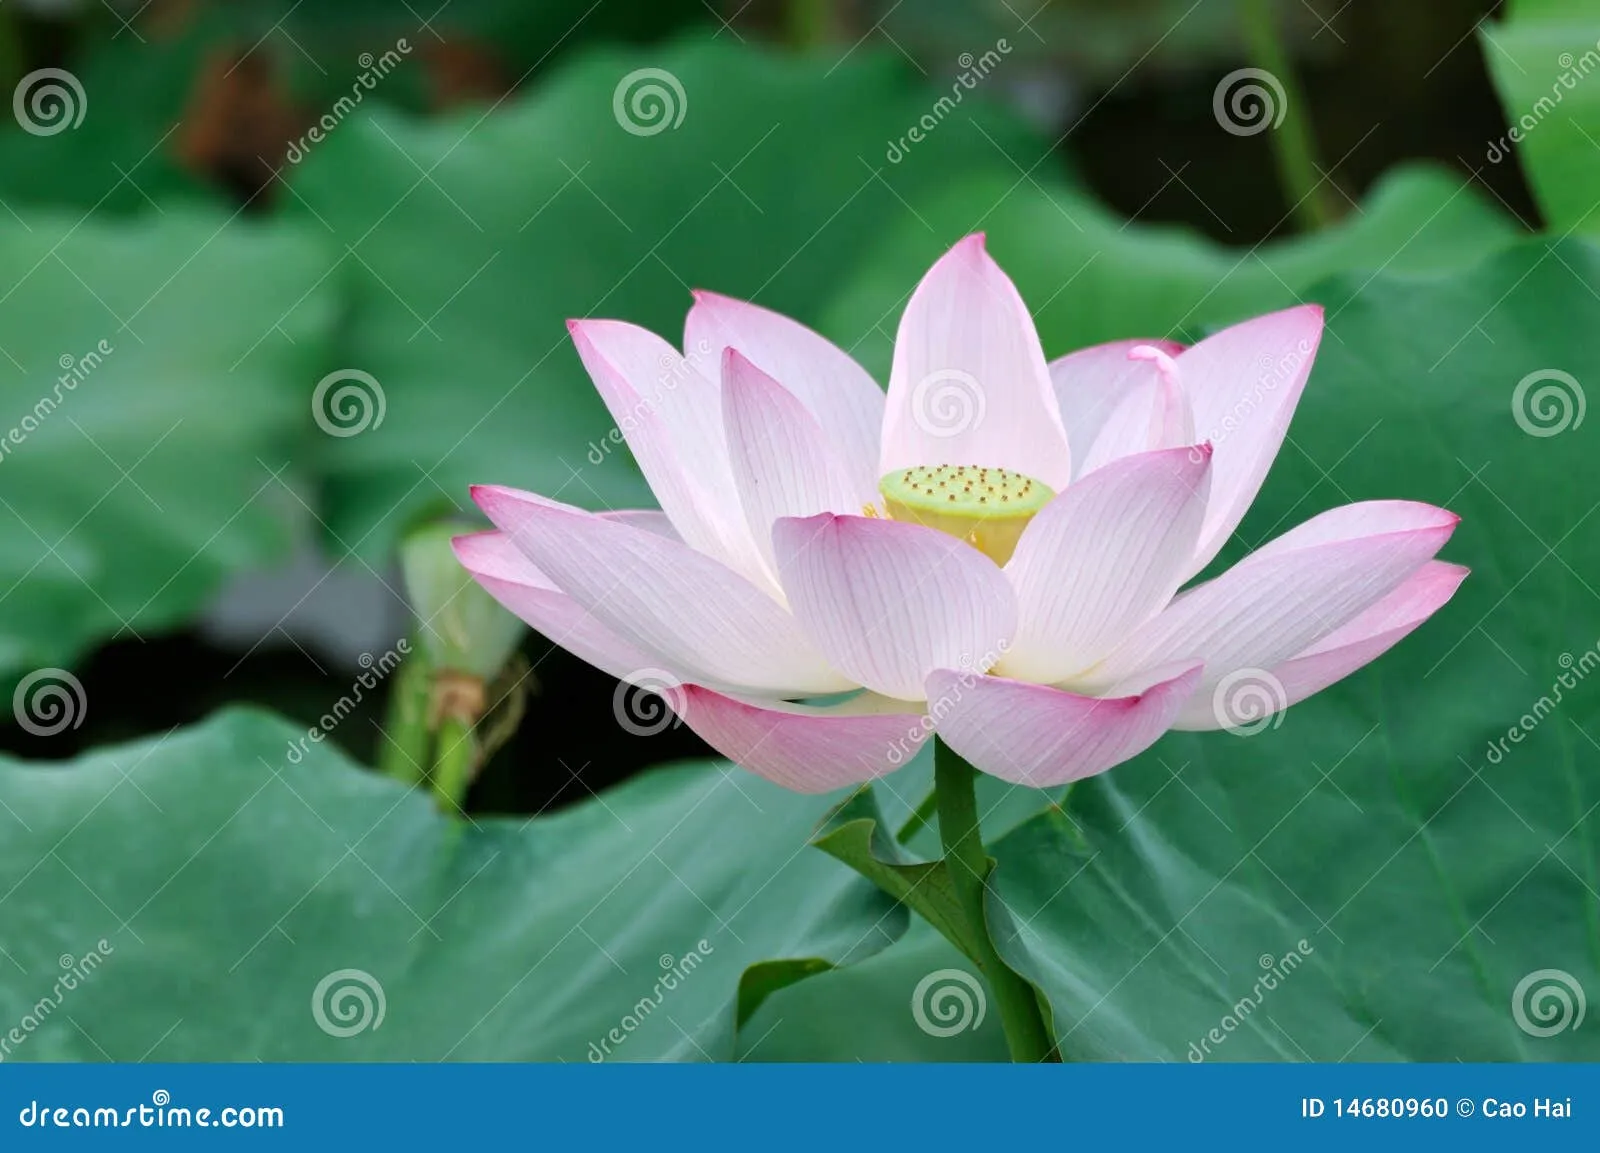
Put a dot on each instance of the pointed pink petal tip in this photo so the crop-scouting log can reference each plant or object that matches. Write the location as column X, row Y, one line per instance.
column 972, row 244
column 467, row 544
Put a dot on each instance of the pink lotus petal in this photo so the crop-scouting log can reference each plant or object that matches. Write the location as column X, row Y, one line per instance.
column 1154, row 413
column 1285, row 597
column 1089, row 385
column 888, row 602
column 1249, row 700
column 1040, row 736
column 781, row 460
column 809, row 750
column 1102, row 558
column 516, row 582
column 649, row 519
column 846, row 402
column 671, row 417
column 663, row 597
column 1243, row 384
column 969, row 384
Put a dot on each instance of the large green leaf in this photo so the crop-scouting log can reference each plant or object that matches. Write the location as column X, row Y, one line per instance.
column 232, row 873
column 1427, row 875
column 1090, row 276
column 154, row 377
column 1543, row 57
column 469, row 241
column 105, row 134
column 904, row 1004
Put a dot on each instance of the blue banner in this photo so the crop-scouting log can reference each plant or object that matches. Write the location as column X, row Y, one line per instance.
column 737, row 1107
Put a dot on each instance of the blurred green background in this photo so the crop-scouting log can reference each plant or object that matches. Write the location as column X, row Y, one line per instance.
column 211, row 208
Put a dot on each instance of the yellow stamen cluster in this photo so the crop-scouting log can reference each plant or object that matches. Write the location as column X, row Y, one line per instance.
column 987, row 507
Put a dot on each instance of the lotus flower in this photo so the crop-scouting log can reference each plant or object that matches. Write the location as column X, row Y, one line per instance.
column 992, row 551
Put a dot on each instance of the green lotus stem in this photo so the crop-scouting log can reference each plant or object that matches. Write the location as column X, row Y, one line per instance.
column 968, row 863
column 403, row 749
column 455, row 763
column 807, row 22
column 1293, row 149
column 921, row 817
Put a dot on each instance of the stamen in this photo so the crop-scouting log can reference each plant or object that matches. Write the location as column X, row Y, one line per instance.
column 989, row 511
column 1165, row 365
